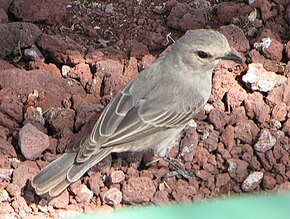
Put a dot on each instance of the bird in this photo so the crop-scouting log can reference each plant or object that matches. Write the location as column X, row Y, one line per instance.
column 150, row 111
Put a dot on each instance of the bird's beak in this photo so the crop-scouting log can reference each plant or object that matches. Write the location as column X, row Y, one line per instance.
column 232, row 56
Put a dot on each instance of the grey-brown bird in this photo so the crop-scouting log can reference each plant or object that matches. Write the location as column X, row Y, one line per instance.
column 148, row 112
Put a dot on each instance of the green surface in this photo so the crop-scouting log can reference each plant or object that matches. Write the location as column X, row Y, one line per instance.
column 271, row 206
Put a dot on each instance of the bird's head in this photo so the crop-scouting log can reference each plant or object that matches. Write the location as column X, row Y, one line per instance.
column 204, row 48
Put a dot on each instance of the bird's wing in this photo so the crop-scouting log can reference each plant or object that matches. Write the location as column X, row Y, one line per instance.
column 125, row 120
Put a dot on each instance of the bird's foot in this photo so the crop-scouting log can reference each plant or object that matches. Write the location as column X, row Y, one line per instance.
column 179, row 170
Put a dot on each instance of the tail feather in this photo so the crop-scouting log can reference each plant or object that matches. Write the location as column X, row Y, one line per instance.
column 59, row 174
column 79, row 169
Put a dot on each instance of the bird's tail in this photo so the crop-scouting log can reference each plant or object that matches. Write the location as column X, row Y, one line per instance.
column 60, row 173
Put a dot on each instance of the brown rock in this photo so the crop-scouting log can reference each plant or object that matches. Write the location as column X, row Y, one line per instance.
column 268, row 64
column 3, row 16
column 5, row 4
column 224, row 83
column 184, row 191
column 81, row 192
column 131, row 69
column 62, row 50
column 4, row 65
column 238, row 169
column 279, row 112
column 39, row 10
column 271, row 48
column 222, row 179
column 82, row 73
column 288, row 45
column 211, row 142
column 60, row 201
column 227, row 137
column 268, row 181
column 13, row 190
column 136, row 49
column 24, row 82
column 279, row 94
column 58, row 119
column 24, row 172
column 236, row 37
column 265, row 141
column 32, row 142
column 160, row 197
column 20, row 204
column 265, row 8
column 227, row 11
column 13, row 33
column 256, row 108
column 252, row 181
column 117, row 176
column 7, row 149
column 246, row 131
column 112, row 197
column 218, row 118
column 147, row 60
column 95, row 182
column 138, row 190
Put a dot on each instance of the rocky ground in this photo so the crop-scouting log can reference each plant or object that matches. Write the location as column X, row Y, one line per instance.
column 61, row 62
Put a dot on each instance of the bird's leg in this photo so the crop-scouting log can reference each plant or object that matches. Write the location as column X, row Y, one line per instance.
column 179, row 170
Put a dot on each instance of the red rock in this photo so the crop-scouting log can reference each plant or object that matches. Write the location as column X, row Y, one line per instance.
column 238, row 169
column 5, row 4
column 271, row 48
column 60, row 201
column 256, row 108
column 95, row 183
column 222, row 179
column 187, row 144
column 3, row 16
column 58, row 119
column 160, row 197
column 147, row 60
column 24, row 172
column 81, row 192
column 7, row 149
column 34, row 116
column 103, row 166
column 138, row 190
column 82, row 73
column 236, row 37
column 265, row 141
column 117, row 176
column 13, row 190
column 287, row 14
column 279, row 94
column 227, row 11
column 24, row 82
column 13, row 33
column 211, row 142
column 5, row 174
column 268, row 181
column 131, row 69
column 224, row 82
column 62, row 50
column 286, row 127
column 4, row 65
column 136, row 49
column 110, row 72
column 112, row 197
column 268, row 64
column 32, row 142
column 246, row 131
column 218, row 118
column 39, row 10
column 227, row 137
column 279, row 112
column 265, row 8
column 19, row 204
column 184, row 191
column 197, row 18
column 252, row 181
column 288, row 45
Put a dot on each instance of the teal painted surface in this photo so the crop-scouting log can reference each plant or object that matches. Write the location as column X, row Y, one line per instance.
column 271, row 206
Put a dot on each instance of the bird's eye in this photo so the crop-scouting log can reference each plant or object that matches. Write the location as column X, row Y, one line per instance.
column 203, row 55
